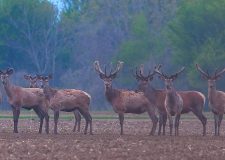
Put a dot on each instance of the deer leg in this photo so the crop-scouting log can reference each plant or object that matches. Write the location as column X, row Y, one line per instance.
column 88, row 119
column 121, row 118
column 56, row 117
column 220, row 117
column 202, row 118
column 154, row 119
column 77, row 120
column 177, row 121
column 160, row 123
column 46, row 122
column 170, row 123
column 41, row 117
column 16, row 114
column 216, row 124
column 164, row 123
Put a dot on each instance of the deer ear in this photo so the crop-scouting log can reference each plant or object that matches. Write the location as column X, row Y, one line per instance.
column 9, row 71
column 27, row 77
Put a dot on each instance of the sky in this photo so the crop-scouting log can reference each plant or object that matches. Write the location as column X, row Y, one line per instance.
column 58, row 3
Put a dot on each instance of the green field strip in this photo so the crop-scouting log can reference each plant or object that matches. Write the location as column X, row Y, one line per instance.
column 98, row 117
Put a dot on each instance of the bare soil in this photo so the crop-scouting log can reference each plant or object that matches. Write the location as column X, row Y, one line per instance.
column 106, row 143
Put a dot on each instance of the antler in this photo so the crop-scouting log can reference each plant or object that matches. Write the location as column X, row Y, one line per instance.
column 177, row 73
column 156, row 70
column 150, row 74
column 9, row 70
column 98, row 69
column 118, row 68
column 135, row 74
column 217, row 75
column 206, row 75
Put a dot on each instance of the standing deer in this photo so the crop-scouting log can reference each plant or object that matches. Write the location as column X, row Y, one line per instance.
column 173, row 101
column 124, row 101
column 156, row 96
column 67, row 100
column 193, row 101
column 216, row 97
column 33, row 84
column 28, row 98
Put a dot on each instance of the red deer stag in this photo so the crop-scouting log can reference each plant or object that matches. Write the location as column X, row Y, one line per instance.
column 156, row 96
column 28, row 98
column 124, row 101
column 173, row 101
column 34, row 84
column 193, row 101
column 67, row 100
column 216, row 97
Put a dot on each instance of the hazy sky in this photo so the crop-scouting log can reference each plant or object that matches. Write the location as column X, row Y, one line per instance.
column 58, row 3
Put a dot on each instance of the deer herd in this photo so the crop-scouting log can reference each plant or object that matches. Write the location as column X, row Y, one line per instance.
column 165, row 103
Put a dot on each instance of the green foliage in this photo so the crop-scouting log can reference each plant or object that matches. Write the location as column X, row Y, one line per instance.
column 197, row 36
column 142, row 44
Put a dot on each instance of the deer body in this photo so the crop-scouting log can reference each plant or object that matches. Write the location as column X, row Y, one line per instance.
column 124, row 101
column 68, row 100
column 33, row 83
column 216, row 98
column 127, row 101
column 173, row 106
column 193, row 101
column 28, row 98
column 173, row 101
column 216, row 101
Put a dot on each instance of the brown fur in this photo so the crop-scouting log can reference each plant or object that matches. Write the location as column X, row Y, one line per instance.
column 216, row 98
column 68, row 100
column 124, row 101
column 193, row 101
column 28, row 98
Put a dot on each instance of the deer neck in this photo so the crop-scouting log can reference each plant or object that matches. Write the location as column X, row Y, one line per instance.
column 49, row 92
column 150, row 93
column 111, row 94
column 9, row 89
column 211, row 94
column 171, row 95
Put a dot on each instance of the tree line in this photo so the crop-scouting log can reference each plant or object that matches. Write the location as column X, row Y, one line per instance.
column 38, row 38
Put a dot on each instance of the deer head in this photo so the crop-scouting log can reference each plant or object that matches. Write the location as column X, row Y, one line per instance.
column 142, row 79
column 44, row 80
column 33, row 80
column 211, row 79
column 5, row 75
column 103, row 75
column 168, row 79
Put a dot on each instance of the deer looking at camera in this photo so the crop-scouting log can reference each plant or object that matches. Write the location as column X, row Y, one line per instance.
column 67, row 100
column 28, row 98
column 193, row 101
column 32, row 80
column 216, row 97
column 156, row 96
column 173, row 101
column 33, row 83
column 124, row 101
